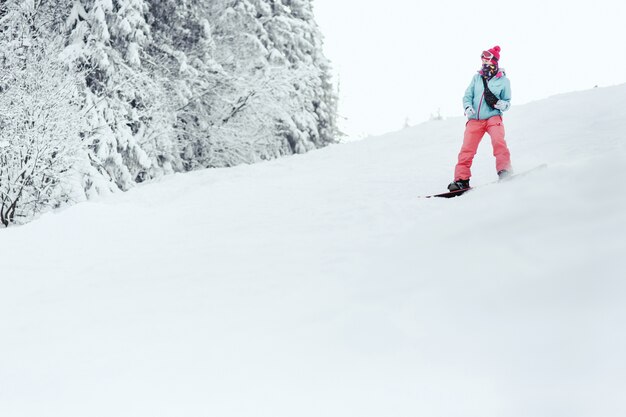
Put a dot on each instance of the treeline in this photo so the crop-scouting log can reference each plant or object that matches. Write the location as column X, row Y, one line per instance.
column 98, row 95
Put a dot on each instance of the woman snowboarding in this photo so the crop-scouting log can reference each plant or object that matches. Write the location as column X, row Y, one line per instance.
column 486, row 98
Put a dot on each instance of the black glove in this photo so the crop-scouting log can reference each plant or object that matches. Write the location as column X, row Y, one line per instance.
column 490, row 98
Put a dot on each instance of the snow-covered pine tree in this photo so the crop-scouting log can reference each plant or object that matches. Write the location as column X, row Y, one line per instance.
column 266, row 105
column 183, row 46
column 124, row 105
column 294, row 39
column 150, row 149
column 231, row 95
column 244, row 98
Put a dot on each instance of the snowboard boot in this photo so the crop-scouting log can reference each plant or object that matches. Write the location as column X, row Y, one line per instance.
column 458, row 185
column 503, row 174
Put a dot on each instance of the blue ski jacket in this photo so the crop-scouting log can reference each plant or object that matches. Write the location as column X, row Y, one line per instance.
column 475, row 95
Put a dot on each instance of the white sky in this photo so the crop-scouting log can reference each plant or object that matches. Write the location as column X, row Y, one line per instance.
column 408, row 58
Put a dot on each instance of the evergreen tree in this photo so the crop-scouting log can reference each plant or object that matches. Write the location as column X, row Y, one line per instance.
column 107, row 40
column 273, row 50
column 184, row 47
column 295, row 37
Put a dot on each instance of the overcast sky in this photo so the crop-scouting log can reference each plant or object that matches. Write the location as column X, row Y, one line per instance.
column 409, row 58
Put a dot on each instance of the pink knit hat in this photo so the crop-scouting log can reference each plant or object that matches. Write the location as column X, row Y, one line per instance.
column 495, row 52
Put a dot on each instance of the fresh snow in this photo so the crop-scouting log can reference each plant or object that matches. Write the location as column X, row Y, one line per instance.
column 321, row 285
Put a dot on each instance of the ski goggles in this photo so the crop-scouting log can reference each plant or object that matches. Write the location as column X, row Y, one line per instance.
column 488, row 55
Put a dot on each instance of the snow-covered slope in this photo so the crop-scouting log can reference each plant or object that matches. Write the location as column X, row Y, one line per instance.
column 320, row 285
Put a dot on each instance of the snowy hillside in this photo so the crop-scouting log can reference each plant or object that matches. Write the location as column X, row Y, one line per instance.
column 321, row 285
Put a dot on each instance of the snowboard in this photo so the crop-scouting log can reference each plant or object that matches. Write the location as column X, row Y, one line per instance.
column 457, row 193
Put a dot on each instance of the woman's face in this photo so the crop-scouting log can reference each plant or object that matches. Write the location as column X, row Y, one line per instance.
column 486, row 57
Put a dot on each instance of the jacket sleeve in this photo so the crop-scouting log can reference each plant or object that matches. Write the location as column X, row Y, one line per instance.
column 468, row 98
column 505, row 95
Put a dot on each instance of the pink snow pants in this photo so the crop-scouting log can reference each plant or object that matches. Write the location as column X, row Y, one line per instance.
column 474, row 132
